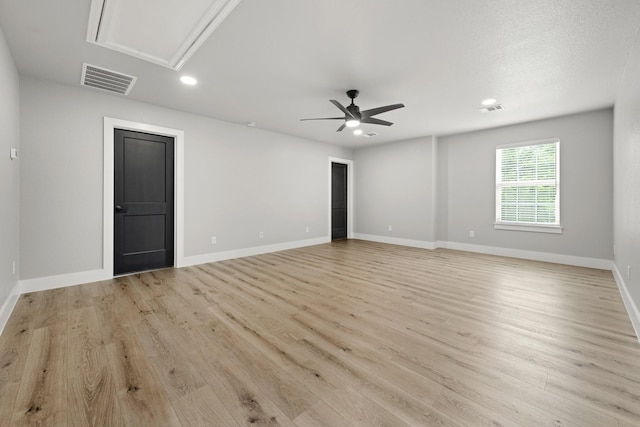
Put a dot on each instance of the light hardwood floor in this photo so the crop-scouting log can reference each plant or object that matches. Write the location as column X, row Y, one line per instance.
column 341, row 334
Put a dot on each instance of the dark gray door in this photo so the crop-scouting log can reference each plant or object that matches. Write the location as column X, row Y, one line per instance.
column 338, row 201
column 143, row 201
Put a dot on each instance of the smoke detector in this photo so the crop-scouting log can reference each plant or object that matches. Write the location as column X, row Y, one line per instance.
column 490, row 108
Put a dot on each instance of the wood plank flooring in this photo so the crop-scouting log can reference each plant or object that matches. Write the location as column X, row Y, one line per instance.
column 350, row 333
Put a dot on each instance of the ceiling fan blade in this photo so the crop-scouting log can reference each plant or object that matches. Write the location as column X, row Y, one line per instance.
column 341, row 127
column 324, row 118
column 375, row 121
column 341, row 107
column 374, row 111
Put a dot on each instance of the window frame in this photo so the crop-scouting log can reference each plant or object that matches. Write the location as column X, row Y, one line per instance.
column 526, row 226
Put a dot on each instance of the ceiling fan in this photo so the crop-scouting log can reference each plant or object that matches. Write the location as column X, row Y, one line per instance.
column 353, row 116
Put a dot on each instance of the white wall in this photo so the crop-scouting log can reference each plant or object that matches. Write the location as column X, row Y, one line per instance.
column 626, row 199
column 442, row 193
column 238, row 180
column 586, row 182
column 9, row 179
column 394, row 186
column 435, row 191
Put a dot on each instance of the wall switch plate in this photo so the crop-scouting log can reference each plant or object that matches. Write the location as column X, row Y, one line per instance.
column 13, row 154
column 472, row 233
column 13, row 268
column 214, row 240
column 390, row 228
column 261, row 235
column 307, row 229
column 628, row 272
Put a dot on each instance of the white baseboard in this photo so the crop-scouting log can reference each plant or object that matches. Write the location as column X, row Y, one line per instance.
column 9, row 304
column 603, row 264
column 63, row 280
column 52, row 282
column 440, row 244
column 395, row 241
column 630, row 305
column 71, row 279
column 257, row 250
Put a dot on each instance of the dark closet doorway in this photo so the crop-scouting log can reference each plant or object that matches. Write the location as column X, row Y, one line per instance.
column 338, row 201
column 143, row 201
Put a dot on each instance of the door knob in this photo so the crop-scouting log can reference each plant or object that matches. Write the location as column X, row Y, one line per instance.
column 120, row 209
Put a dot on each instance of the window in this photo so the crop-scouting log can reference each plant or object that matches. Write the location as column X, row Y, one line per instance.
column 528, row 186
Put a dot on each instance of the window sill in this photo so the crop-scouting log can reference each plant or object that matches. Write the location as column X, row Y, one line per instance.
column 536, row 228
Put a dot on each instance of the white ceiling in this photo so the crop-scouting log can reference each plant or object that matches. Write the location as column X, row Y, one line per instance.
column 130, row 26
column 274, row 62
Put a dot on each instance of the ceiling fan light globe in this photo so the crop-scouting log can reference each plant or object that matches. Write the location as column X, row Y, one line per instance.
column 352, row 123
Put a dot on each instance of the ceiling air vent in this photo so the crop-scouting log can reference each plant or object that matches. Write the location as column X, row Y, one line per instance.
column 491, row 108
column 108, row 80
column 370, row 134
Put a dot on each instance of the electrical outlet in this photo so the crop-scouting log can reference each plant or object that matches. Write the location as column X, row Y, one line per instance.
column 214, row 240
column 472, row 233
column 390, row 228
column 261, row 235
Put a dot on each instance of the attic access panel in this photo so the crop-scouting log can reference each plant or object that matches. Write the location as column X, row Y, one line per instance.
column 165, row 32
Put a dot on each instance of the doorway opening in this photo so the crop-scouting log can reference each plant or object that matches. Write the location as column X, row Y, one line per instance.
column 177, row 247
column 143, row 202
column 340, row 199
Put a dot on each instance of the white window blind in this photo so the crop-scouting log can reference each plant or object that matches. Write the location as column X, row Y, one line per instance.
column 528, row 184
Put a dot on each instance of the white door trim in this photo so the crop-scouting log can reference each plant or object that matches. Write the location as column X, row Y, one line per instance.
column 349, row 164
column 110, row 124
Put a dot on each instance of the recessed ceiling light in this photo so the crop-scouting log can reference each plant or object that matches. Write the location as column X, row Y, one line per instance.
column 357, row 132
column 188, row 80
column 489, row 101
